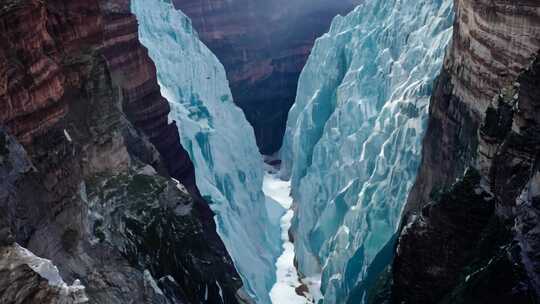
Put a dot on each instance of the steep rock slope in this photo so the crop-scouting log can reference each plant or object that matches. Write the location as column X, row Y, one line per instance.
column 218, row 138
column 263, row 46
column 352, row 144
column 492, row 43
column 472, row 241
column 478, row 242
column 75, row 171
column 24, row 276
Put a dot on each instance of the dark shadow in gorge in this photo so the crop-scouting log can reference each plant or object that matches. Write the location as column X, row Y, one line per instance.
column 263, row 46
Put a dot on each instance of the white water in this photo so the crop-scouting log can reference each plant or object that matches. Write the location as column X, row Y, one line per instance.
column 287, row 280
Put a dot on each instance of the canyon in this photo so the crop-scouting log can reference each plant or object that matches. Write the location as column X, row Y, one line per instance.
column 405, row 146
column 218, row 139
column 264, row 46
column 484, row 124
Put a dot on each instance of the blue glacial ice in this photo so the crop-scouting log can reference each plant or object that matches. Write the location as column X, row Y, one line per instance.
column 218, row 138
column 353, row 140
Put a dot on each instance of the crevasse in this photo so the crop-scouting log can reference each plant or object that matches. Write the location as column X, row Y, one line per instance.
column 218, row 139
column 353, row 139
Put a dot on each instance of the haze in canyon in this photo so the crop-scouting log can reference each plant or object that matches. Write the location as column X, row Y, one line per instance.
column 270, row 152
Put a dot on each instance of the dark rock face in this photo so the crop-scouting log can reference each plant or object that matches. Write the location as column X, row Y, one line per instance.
column 471, row 222
column 492, row 43
column 263, row 46
column 464, row 211
column 75, row 192
column 476, row 240
column 157, row 227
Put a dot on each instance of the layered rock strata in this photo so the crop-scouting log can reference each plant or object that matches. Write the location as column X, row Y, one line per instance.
column 77, row 191
column 472, row 241
column 492, row 43
column 134, row 72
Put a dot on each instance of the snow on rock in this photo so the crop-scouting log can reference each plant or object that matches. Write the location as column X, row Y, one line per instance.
column 353, row 140
column 218, row 138
column 15, row 255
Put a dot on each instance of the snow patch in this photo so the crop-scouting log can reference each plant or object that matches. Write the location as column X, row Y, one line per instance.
column 287, row 283
column 148, row 278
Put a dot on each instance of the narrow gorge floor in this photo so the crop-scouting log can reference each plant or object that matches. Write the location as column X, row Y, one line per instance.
column 289, row 288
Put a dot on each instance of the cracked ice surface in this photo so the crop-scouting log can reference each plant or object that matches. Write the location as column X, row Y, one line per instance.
column 353, row 140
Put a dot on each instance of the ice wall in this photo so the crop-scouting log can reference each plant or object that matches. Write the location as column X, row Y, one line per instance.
column 353, row 139
column 218, row 139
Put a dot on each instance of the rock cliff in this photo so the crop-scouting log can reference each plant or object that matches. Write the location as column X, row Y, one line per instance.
column 135, row 74
column 475, row 240
column 85, row 170
column 471, row 222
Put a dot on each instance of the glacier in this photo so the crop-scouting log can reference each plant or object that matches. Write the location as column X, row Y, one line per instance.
column 218, row 138
column 352, row 145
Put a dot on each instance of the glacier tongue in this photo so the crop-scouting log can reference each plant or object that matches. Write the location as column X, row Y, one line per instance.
column 219, row 140
column 353, row 139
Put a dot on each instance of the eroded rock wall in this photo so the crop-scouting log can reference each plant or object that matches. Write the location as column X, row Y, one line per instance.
column 469, row 237
column 70, row 71
column 264, row 46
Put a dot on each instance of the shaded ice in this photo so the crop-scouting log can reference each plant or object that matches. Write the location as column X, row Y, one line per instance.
column 353, row 139
column 218, row 138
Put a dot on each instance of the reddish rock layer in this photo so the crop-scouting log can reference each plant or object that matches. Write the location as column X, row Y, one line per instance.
column 493, row 41
column 33, row 75
column 66, row 70
column 36, row 73
column 135, row 73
